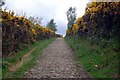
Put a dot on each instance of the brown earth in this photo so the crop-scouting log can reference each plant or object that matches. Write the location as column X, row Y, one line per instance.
column 24, row 59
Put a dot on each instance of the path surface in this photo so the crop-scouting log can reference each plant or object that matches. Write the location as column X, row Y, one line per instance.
column 57, row 61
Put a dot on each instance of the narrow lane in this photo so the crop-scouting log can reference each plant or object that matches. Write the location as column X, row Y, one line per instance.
column 56, row 61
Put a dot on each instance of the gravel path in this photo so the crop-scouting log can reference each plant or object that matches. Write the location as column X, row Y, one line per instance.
column 56, row 61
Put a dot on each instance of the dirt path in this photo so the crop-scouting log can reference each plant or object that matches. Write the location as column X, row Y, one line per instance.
column 57, row 61
column 24, row 59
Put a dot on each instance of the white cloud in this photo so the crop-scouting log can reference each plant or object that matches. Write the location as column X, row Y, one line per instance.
column 48, row 9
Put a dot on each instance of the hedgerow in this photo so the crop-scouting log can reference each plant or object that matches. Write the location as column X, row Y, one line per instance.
column 18, row 31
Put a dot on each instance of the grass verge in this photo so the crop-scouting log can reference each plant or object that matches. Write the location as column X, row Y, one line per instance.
column 99, row 60
column 28, row 62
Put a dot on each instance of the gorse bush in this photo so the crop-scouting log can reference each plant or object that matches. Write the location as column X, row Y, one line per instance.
column 18, row 31
column 101, row 19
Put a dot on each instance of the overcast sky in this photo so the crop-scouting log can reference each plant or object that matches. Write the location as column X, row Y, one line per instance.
column 48, row 9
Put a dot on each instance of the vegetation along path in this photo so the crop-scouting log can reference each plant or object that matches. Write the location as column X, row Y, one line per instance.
column 57, row 61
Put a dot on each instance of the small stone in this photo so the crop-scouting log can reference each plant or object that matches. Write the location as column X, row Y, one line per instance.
column 37, row 61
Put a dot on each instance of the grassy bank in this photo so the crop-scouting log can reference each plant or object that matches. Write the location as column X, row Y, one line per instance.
column 24, row 59
column 99, row 60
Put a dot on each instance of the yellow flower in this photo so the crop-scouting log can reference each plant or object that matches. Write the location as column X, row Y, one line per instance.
column 68, row 32
column 40, row 27
column 75, row 28
column 33, row 31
